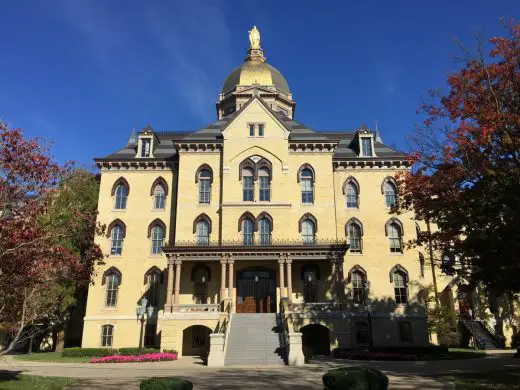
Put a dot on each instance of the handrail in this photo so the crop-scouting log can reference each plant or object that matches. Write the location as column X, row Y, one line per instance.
column 284, row 327
column 199, row 307
column 470, row 325
column 496, row 337
column 271, row 243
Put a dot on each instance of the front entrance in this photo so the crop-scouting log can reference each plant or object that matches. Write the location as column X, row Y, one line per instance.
column 256, row 291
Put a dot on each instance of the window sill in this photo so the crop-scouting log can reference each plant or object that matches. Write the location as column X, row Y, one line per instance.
column 158, row 210
column 204, row 204
column 109, row 308
column 396, row 254
column 158, row 256
column 118, row 210
column 355, row 254
column 306, row 204
column 116, row 256
column 351, row 208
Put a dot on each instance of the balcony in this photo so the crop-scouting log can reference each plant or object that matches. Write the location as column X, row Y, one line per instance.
column 262, row 244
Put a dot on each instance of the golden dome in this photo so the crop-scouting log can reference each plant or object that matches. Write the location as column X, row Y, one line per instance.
column 255, row 70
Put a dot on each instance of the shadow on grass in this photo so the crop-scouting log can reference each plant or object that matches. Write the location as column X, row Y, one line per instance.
column 6, row 376
column 499, row 380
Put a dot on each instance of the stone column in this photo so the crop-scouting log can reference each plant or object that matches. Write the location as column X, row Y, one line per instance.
column 169, row 288
column 178, row 265
column 288, row 261
column 230, row 281
column 281, row 261
column 223, row 278
column 334, row 271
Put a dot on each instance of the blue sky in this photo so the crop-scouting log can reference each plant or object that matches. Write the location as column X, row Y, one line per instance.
column 85, row 73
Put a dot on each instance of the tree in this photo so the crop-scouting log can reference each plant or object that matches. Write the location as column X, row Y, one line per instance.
column 466, row 175
column 41, row 263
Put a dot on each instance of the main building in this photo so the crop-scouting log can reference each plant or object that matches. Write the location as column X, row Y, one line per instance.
column 215, row 235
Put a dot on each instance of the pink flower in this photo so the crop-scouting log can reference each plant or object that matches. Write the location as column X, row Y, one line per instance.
column 148, row 357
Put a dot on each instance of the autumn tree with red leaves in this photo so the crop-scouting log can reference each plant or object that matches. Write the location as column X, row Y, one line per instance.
column 42, row 260
column 466, row 175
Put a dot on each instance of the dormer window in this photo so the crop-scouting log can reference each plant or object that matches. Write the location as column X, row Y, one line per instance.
column 366, row 147
column 146, row 147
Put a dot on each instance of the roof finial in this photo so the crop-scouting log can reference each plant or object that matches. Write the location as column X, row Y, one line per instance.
column 254, row 38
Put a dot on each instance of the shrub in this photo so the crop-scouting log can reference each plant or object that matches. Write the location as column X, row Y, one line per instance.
column 451, row 339
column 515, row 340
column 171, row 351
column 89, row 352
column 149, row 357
column 165, row 384
column 347, row 378
column 344, row 353
column 136, row 351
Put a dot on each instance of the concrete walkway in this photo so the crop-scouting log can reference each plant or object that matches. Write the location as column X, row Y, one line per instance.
column 402, row 375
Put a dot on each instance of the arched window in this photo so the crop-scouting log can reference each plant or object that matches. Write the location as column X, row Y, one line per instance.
column 390, row 192
column 405, row 332
column 248, row 187
column 121, row 195
column 264, row 225
column 400, row 280
column 395, row 238
column 310, row 276
column 201, row 275
column 204, row 186
column 112, row 280
column 354, row 233
column 157, row 237
column 107, row 335
column 202, row 232
column 159, row 197
column 153, row 279
column 264, row 185
column 248, row 231
column 358, row 287
column 117, row 233
column 308, row 234
column 351, row 192
column 306, row 178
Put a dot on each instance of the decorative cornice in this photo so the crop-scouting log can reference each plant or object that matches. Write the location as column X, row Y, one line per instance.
column 136, row 164
column 312, row 146
column 342, row 165
column 199, row 146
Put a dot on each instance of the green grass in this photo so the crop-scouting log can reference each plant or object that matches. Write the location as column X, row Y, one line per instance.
column 52, row 357
column 455, row 353
column 14, row 381
column 502, row 380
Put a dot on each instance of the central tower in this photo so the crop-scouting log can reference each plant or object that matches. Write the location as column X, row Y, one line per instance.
column 255, row 77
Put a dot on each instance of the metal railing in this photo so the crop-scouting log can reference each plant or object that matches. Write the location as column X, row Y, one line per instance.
column 271, row 243
column 284, row 329
column 319, row 307
column 498, row 339
column 192, row 308
column 470, row 325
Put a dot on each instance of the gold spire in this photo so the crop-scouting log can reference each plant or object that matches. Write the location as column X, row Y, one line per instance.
column 255, row 52
column 254, row 38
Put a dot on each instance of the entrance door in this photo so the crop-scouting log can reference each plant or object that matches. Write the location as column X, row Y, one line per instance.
column 256, row 291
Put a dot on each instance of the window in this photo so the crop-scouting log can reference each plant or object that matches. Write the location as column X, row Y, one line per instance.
column 354, row 235
column 201, row 278
column 308, row 234
column 146, row 144
column 112, row 281
column 265, row 231
column 157, row 239
column 251, row 130
column 121, row 195
column 202, row 233
column 390, row 194
column 116, row 246
column 400, row 287
column 306, row 186
column 366, row 147
column 362, row 333
column 405, row 332
column 394, row 238
column 310, row 276
column 260, row 130
column 351, row 195
column 149, row 335
column 107, row 335
column 264, row 185
column 247, row 231
column 204, row 186
column 247, row 185
column 153, row 280
column 358, row 287
column 159, row 197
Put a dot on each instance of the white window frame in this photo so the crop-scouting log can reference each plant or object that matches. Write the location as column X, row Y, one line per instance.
column 140, row 147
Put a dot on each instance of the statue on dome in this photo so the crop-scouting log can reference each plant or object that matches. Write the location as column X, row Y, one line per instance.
column 254, row 38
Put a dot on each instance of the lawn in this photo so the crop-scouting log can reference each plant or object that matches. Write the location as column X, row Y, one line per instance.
column 502, row 380
column 14, row 381
column 54, row 357
column 455, row 353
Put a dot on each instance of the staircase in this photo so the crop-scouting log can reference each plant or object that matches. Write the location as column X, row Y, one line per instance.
column 483, row 338
column 253, row 339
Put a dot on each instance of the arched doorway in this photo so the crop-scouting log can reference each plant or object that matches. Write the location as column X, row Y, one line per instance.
column 315, row 340
column 195, row 341
column 256, row 291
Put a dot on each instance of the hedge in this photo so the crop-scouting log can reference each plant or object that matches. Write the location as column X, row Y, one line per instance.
column 101, row 352
column 353, row 378
column 406, row 350
column 89, row 352
column 165, row 384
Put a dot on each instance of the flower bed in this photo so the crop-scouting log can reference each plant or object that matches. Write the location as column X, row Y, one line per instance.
column 368, row 355
column 147, row 357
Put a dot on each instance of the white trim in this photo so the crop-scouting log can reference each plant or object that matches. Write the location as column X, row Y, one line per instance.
column 257, row 204
column 109, row 318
